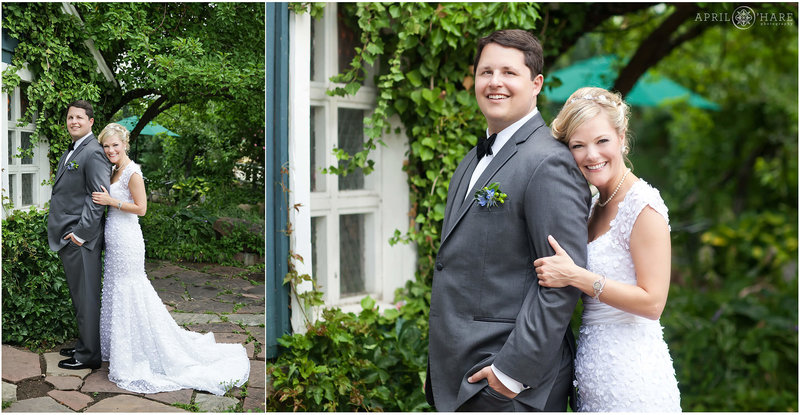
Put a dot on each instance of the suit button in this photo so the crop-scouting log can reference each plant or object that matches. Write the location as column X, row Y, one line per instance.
column 439, row 266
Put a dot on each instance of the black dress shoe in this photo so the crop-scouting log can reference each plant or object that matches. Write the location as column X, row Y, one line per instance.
column 73, row 364
column 67, row 351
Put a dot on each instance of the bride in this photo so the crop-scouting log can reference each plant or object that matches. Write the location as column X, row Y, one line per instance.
column 622, row 363
column 147, row 351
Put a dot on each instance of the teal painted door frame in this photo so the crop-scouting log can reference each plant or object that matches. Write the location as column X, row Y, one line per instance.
column 277, row 87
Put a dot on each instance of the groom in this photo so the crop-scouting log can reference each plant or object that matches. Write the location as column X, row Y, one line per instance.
column 75, row 231
column 499, row 341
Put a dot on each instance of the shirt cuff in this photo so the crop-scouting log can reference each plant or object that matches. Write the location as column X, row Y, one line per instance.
column 507, row 381
column 78, row 239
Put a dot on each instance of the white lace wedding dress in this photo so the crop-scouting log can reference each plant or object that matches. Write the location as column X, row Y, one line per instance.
column 146, row 350
column 623, row 363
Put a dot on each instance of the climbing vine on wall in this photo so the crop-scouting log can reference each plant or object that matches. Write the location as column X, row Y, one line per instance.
column 52, row 46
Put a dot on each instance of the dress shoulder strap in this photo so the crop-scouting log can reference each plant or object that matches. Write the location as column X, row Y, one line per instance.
column 640, row 195
column 129, row 171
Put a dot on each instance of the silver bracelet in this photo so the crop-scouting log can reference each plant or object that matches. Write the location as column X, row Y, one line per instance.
column 598, row 287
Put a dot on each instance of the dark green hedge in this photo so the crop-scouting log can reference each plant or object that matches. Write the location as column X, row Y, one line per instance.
column 175, row 232
column 37, row 310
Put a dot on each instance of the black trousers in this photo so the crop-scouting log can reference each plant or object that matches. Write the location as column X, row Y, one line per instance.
column 84, row 272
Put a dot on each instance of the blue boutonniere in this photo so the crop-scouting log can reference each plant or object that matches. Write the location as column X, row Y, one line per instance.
column 490, row 196
column 73, row 165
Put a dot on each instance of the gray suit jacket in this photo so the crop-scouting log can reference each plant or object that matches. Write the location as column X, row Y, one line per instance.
column 71, row 206
column 486, row 304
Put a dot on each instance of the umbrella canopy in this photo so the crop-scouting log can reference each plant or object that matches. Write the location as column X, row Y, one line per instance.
column 649, row 90
column 150, row 129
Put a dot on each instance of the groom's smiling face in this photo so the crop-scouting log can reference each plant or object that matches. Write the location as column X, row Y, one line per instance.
column 78, row 123
column 503, row 86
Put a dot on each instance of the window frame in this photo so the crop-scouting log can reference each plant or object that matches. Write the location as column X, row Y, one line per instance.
column 39, row 166
column 329, row 202
column 385, row 200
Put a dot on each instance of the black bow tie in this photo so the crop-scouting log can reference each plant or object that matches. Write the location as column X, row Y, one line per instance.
column 484, row 146
column 71, row 146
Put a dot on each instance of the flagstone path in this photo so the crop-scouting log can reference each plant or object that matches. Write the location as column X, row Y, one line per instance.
column 201, row 297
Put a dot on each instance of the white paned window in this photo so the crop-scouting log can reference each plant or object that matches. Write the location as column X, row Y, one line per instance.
column 350, row 219
column 25, row 169
column 344, row 223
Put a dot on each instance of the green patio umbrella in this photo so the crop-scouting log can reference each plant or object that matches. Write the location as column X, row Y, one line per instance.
column 649, row 91
column 150, row 129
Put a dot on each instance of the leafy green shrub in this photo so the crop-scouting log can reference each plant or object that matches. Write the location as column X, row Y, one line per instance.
column 732, row 323
column 37, row 309
column 348, row 362
column 186, row 233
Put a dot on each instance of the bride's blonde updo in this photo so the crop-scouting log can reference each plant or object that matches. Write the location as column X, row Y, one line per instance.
column 116, row 130
column 585, row 104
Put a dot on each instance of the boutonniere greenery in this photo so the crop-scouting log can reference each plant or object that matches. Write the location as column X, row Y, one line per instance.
column 73, row 165
column 490, row 196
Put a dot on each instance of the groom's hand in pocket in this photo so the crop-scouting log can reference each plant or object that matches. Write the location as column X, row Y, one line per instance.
column 74, row 240
column 494, row 382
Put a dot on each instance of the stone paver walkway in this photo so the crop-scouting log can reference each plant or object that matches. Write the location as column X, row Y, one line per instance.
column 201, row 297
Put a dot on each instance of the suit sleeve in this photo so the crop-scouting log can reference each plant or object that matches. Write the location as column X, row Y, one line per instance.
column 97, row 173
column 556, row 203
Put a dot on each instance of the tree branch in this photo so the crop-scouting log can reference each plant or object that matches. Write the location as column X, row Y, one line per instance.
column 157, row 107
column 130, row 96
column 656, row 46
column 593, row 16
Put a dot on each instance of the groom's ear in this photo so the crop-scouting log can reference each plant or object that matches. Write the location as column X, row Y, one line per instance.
column 538, row 82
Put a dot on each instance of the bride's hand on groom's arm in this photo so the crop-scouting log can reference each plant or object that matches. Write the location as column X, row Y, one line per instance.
column 558, row 270
column 101, row 198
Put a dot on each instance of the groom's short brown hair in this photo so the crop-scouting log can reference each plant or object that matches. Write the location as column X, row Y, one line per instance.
column 84, row 105
column 517, row 39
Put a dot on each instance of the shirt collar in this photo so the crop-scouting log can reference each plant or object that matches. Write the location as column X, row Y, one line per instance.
column 80, row 140
column 504, row 135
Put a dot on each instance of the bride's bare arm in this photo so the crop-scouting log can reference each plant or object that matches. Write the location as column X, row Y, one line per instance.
column 139, row 205
column 650, row 249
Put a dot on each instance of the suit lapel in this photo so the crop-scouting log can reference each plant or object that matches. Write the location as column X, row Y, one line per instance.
column 459, row 184
column 60, row 169
column 78, row 150
column 499, row 160
column 462, row 186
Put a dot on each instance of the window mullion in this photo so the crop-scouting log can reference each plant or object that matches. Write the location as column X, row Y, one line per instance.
column 332, row 255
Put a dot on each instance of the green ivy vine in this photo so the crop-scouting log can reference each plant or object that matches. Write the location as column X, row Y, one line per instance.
column 52, row 46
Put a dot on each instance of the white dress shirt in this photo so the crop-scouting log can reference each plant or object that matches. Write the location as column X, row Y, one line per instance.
column 502, row 138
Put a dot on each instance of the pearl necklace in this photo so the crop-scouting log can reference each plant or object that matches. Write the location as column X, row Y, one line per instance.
column 615, row 190
column 116, row 169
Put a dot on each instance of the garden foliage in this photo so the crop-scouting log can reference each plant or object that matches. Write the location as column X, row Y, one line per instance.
column 347, row 362
column 176, row 232
column 37, row 309
column 163, row 56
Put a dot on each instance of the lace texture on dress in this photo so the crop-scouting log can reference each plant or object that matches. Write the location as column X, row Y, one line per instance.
column 622, row 362
column 147, row 351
